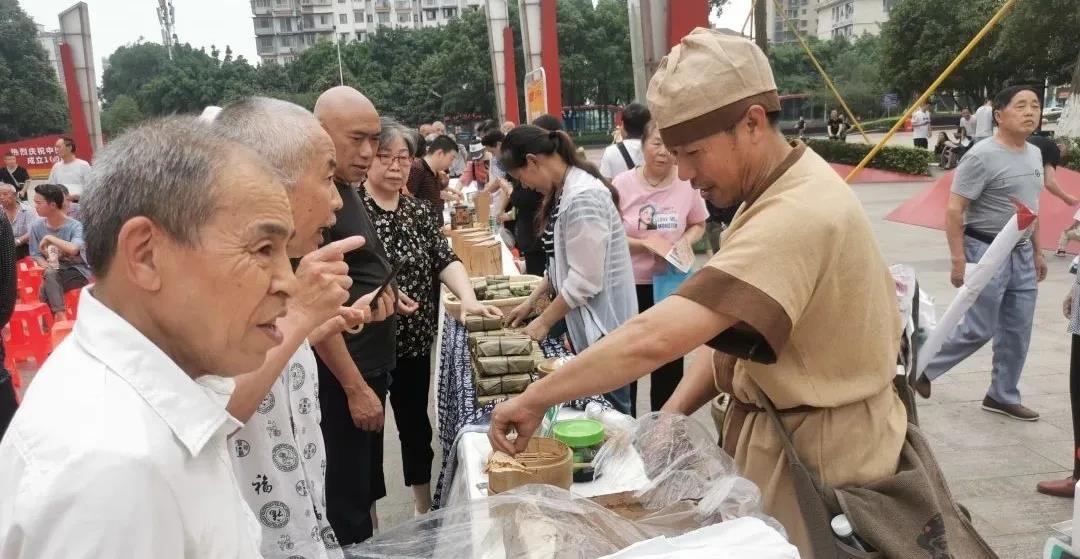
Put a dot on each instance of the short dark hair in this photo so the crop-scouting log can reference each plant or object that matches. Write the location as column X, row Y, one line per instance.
column 965, row 108
column 492, row 138
column 634, row 118
column 442, row 143
column 548, row 122
column 69, row 143
column 487, row 126
column 52, row 193
column 1005, row 96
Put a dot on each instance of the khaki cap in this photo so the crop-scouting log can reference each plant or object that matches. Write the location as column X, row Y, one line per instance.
column 706, row 84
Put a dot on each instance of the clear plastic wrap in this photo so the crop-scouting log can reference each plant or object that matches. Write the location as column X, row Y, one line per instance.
column 692, row 484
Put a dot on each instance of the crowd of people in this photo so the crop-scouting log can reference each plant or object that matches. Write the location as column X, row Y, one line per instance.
column 266, row 282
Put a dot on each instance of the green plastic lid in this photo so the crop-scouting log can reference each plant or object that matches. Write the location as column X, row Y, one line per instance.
column 578, row 433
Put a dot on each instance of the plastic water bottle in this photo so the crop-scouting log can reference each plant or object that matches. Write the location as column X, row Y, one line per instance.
column 841, row 526
column 53, row 256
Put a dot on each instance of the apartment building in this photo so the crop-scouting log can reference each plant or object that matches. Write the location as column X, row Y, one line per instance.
column 826, row 19
column 284, row 28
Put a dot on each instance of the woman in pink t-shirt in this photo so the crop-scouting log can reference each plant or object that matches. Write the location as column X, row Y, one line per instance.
column 659, row 211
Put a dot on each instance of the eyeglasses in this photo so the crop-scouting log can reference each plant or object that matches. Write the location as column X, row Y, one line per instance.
column 388, row 160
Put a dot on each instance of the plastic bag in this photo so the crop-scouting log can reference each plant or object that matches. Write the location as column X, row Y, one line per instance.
column 741, row 538
column 692, row 484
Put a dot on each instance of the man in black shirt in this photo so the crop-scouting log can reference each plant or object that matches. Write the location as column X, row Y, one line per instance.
column 353, row 368
column 12, row 173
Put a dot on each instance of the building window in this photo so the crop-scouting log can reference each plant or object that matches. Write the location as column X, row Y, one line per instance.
column 262, row 3
column 285, row 24
column 384, row 17
column 286, row 41
column 309, row 22
column 360, row 36
column 403, row 18
column 344, row 37
column 358, row 16
column 262, row 23
column 343, row 18
column 340, row 1
column 265, row 44
column 369, row 20
column 449, row 12
column 281, row 2
column 431, row 14
column 324, row 19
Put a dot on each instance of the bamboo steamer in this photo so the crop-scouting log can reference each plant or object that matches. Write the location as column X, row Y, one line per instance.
column 545, row 460
column 453, row 305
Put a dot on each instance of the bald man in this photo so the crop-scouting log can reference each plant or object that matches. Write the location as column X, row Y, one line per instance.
column 353, row 368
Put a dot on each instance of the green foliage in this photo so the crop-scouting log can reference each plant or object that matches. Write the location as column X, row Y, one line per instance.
column 1072, row 154
column 31, row 101
column 912, row 161
column 594, row 52
column 852, row 65
column 1032, row 43
column 122, row 113
column 130, row 67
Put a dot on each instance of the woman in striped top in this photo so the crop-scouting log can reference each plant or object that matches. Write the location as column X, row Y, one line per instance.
column 589, row 278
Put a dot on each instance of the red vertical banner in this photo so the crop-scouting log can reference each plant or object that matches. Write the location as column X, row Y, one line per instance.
column 80, row 132
column 684, row 16
column 513, row 114
column 549, row 55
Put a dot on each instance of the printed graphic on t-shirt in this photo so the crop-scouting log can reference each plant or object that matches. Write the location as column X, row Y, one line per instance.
column 653, row 218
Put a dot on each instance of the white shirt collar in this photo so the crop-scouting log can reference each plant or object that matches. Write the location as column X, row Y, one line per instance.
column 189, row 410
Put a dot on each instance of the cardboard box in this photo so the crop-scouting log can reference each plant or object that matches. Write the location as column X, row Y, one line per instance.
column 485, row 258
column 482, row 204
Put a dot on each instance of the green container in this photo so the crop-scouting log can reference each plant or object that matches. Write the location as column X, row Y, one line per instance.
column 583, row 436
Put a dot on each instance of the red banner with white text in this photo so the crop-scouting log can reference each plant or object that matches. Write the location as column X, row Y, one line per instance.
column 37, row 155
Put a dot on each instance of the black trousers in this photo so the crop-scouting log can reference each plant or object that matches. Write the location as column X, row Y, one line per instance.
column 667, row 377
column 922, row 143
column 352, row 481
column 535, row 262
column 410, row 384
column 1074, row 400
column 7, row 401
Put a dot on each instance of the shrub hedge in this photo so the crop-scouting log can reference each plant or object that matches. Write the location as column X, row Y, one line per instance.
column 912, row 161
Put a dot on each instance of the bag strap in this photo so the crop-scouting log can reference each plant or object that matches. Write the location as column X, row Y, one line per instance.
column 785, row 438
column 626, row 156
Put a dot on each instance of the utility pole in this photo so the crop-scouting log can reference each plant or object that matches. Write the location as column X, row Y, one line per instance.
column 761, row 24
column 167, row 18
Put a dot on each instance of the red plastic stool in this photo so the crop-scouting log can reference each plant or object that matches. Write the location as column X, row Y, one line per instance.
column 71, row 302
column 29, row 337
column 29, row 285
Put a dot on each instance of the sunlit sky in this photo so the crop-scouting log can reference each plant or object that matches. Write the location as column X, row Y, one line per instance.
column 203, row 23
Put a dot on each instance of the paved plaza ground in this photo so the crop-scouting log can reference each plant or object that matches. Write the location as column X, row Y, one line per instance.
column 991, row 462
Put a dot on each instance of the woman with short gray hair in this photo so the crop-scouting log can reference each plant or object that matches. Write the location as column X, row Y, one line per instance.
column 412, row 237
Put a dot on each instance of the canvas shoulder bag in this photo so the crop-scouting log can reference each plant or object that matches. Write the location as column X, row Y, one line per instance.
column 906, row 515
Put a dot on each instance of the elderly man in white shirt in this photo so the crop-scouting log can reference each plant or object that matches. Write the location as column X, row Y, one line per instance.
column 278, row 456
column 116, row 450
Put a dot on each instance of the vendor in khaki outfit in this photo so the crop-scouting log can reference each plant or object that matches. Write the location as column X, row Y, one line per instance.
column 816, row 323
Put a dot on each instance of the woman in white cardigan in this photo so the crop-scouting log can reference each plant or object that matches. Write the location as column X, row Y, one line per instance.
column 589, row 280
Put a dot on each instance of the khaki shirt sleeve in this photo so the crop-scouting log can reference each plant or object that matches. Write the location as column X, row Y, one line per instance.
column 763, row 276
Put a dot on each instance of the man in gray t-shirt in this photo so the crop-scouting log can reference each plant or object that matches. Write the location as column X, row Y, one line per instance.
column 989, row 176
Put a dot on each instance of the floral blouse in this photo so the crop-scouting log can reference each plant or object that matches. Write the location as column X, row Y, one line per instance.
column 412, row 234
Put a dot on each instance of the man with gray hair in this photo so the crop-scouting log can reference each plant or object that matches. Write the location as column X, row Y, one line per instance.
column 279, row 456
column 116, row 450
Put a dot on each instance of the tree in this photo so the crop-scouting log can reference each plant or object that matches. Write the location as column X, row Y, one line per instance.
column 130, row 67
column 31, row 102
column 594, row 52
column 119, row 115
